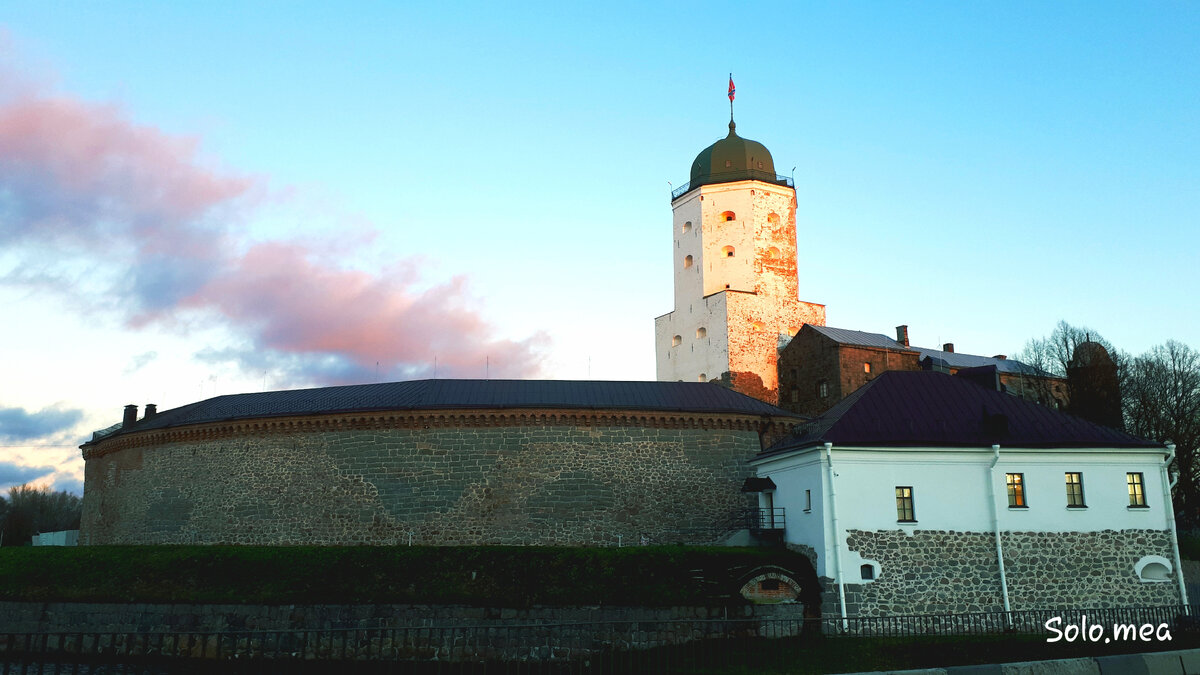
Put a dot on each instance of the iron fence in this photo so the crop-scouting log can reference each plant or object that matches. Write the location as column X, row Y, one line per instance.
column 669, row 645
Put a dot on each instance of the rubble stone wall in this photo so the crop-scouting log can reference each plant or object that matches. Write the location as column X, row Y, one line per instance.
column 524, row 484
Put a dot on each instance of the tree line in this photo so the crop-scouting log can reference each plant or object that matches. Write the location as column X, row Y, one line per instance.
column 1155, row 395
column 30, row 510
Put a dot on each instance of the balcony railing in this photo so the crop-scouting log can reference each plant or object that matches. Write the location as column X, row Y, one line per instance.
column 731, row 176
column 764, row 519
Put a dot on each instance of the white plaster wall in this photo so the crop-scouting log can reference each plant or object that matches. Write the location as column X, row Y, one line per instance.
column 793, row 475
column 688, row 282
column 693, row 356
column 950, row 492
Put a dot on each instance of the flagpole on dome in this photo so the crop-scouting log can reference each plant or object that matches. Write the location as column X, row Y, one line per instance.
column 731, row 92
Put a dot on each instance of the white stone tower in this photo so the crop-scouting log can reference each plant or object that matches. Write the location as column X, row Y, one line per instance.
column 734, row 252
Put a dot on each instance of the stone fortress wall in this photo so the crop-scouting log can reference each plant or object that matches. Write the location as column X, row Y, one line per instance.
column 548, row 479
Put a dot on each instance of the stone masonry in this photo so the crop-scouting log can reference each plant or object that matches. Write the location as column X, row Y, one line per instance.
column 522, row 484
column 936, row 572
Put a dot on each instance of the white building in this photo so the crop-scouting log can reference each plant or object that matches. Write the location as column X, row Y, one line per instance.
column 923, row 493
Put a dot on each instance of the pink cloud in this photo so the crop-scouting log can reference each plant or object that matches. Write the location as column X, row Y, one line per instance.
column 83, row 178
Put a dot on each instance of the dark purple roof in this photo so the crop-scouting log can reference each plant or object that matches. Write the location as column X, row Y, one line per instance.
column 695, row 397
column 924, row 408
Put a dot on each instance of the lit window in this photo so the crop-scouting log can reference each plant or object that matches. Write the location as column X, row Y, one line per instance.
column 728, row 251
column 867, row 367
column 677, row 340
column 687, row 262
column 1075, row 490
column 687, row 227
column 1137, row 493
column 904, row 505
column 1016, row 489
column 701, row 332
column 822, row 389
column 728, row 215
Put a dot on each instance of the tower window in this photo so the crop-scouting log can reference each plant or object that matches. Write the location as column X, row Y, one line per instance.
column 760, row 165
column 728, row 163
column 687, row 262
column 772, row 252
column 866, row 366
column 822, row 389
column 758, row 325
column 687, row 227
column 728, row 215
column 728, row 251
column 701, row 332
column 677, row 340
column 703, row 377
column 773, row 218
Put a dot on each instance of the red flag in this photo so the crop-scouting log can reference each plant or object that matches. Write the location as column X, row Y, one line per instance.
column 731, row 89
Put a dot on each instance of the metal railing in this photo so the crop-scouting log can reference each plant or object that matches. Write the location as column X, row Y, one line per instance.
column 668, row 645
column 764, row 519
column 731, row 176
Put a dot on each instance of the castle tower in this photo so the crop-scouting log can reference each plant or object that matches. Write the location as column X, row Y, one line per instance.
column 734, row 253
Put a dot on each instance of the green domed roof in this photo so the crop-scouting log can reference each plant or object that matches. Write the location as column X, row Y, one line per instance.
column 732, row 158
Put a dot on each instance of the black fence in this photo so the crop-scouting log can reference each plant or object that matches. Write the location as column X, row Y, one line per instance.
column 603, row 647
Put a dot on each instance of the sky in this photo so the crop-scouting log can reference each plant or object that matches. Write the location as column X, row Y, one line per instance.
column 211, row 198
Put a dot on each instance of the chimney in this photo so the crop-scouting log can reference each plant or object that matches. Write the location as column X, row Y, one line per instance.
column 948, row 347
column 151, row 411
column 130, row 415
column 902, row 335
column 1001, row 357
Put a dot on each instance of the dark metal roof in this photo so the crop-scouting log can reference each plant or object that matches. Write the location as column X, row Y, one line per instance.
column 959, row 360
column 695, row 397
column 923, row 408
column 949, row 359
column 858, row 337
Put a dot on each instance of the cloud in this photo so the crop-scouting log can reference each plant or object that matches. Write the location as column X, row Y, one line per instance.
column 16, row 424
column 139, row 361
column 82, row 179
column 15, row 474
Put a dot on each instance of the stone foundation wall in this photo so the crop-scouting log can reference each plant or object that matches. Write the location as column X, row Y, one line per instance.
column 552, row 485
column 936, row 572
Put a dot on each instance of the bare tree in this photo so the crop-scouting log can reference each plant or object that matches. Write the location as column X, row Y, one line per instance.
column 32, row 510
column 1059, row 356
column 1162, row 402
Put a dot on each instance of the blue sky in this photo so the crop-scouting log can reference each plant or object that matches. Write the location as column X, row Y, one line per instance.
column 978, row 171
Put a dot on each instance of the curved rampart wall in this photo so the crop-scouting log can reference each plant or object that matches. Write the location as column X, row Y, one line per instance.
column 523, row 484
